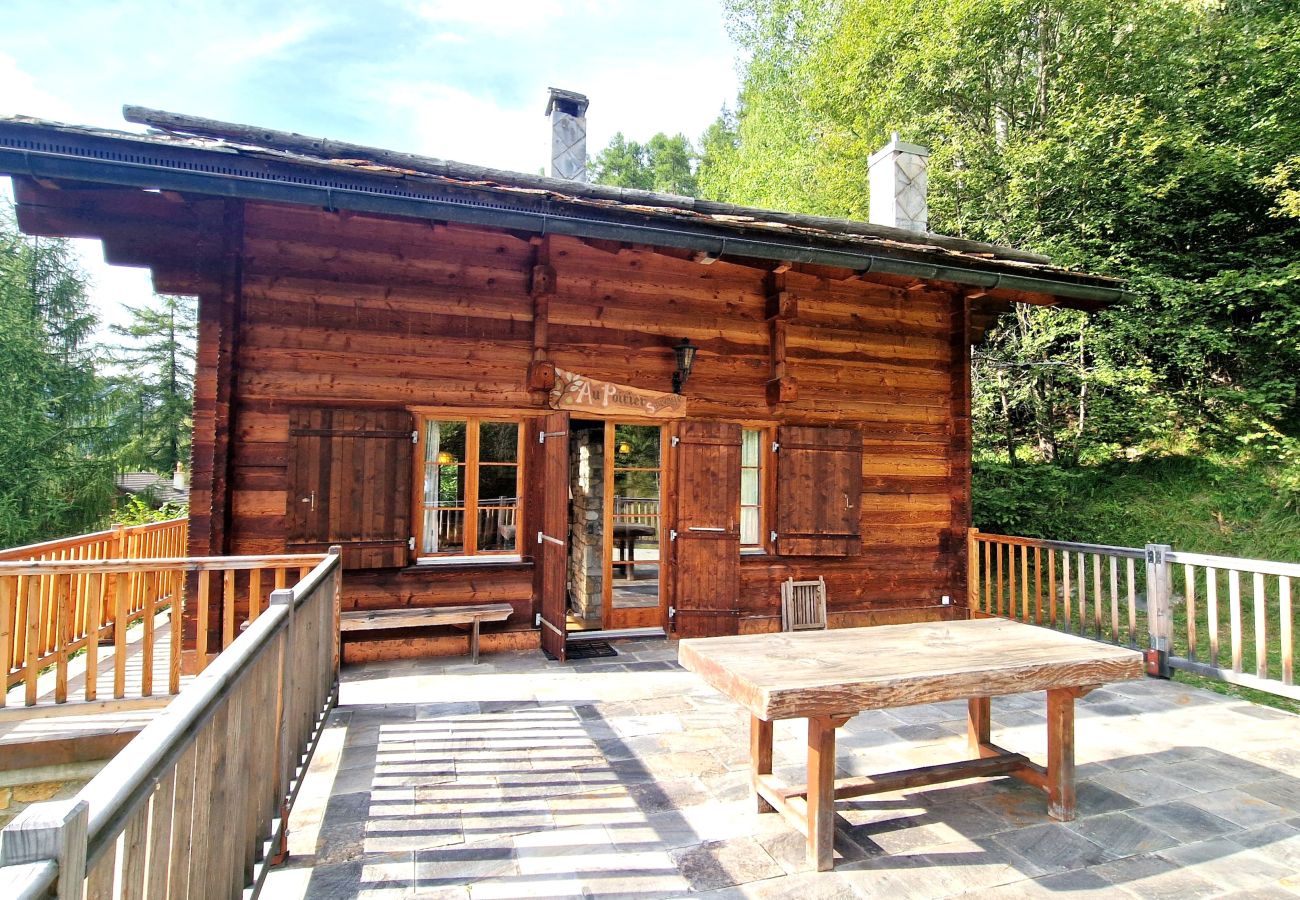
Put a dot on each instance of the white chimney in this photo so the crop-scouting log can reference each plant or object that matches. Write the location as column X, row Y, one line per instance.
column 568, row 112
column 180, row 478
column 897, row 178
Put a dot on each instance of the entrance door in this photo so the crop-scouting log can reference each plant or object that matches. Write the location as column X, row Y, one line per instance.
column 551, row 443
column 706, row 543
column 633, row 525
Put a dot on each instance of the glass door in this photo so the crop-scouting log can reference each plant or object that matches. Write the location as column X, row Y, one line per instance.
column 633, row 525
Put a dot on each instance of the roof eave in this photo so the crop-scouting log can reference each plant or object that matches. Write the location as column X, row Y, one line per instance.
column 183, row 169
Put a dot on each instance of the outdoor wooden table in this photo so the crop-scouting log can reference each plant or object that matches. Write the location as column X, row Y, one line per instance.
column 829, row 676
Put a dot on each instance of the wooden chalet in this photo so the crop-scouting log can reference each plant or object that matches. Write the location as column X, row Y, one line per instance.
column 464, row 377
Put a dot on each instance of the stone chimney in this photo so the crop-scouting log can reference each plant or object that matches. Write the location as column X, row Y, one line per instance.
column 568, row 112
column 897, row 178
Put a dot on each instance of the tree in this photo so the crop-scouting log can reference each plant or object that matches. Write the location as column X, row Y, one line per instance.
column 1149, row 139
column 56, row 471
column 665, row 164
column 156, row 391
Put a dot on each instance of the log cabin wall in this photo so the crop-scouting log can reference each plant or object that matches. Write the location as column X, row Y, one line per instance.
column 347, row 311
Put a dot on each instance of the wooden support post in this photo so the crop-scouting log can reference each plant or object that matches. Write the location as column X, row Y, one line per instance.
column 54, row 830
column 782, row 309
column 979, row 721
column 1060, row 753
column 760, row 758
column 541, row 371
column 473, row 642
column 821, row 792
column 1160, row 621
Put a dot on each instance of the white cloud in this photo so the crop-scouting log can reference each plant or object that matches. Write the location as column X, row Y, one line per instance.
column 112, row 288
column 512, row 15
column 21, row 96
column 241, row 48
column 449, row 123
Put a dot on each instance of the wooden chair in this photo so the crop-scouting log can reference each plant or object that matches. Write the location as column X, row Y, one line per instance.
column 803, row 605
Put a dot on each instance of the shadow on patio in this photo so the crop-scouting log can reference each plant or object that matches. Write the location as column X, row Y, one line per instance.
column 628, row 777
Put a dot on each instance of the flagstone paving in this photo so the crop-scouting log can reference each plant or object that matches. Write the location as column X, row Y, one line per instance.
column 627, row 777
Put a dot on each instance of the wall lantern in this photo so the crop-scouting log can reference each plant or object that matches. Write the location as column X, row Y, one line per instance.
column 446, row 459
column 624, row 448
column 685, row 353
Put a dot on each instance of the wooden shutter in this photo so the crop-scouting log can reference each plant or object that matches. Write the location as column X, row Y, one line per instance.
column 548, row 439
column 818, row 491
column 706, row 550
column 350, row 484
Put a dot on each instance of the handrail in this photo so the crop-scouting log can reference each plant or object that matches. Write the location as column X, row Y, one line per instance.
column 32, row 551
column 170, row 563
column 1262, row 566
column 1109, row 550
column 258, row 710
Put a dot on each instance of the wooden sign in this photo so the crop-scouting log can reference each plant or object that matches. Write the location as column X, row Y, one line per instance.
column 578, row 393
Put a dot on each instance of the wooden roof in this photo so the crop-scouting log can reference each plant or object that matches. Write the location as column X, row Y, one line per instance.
column 228, row 156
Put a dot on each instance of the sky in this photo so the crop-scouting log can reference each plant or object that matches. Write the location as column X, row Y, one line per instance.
column 455, row 79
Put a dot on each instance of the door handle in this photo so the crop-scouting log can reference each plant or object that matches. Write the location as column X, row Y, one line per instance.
column 311, row 500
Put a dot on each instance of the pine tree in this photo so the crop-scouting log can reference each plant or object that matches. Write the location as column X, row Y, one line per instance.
column 155, row 393
column 56, row 471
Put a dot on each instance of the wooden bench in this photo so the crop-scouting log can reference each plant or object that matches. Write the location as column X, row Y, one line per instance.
column 423, row 617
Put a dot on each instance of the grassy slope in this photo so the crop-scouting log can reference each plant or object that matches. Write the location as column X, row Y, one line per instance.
column 1227, row 506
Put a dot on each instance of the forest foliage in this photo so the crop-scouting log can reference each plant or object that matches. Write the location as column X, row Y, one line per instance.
column 73, row 411
column 1153, row 140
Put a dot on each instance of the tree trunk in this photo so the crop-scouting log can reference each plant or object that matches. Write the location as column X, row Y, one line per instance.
column 1006, row 419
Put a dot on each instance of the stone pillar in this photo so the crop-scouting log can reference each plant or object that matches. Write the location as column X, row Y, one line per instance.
column 897, row 178
column 586, row 543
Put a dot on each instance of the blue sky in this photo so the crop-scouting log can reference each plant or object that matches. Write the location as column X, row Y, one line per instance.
column 457, row 79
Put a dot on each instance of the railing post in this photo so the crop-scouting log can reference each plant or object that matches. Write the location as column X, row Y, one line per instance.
column 1160, row 620
column 336, row 600
column 284, row 716
column 54, row 830
column 972, row 571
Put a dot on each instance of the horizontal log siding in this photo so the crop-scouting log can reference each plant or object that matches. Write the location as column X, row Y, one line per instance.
column 349, row 309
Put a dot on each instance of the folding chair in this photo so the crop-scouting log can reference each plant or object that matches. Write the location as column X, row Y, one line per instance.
column 803, row 604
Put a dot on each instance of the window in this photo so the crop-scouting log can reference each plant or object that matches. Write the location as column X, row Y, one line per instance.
column 751, row 489
column 469, row 487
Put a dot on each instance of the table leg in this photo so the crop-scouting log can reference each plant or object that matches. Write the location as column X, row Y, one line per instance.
column 760, row 757
column 1060, row 753
column 978, row 724
column 821, row 792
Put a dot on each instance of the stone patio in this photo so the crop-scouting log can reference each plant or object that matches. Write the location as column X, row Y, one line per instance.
column 628, row 777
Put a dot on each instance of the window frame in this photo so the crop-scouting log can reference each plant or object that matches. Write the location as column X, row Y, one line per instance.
column 469, row 551
column 766, row 486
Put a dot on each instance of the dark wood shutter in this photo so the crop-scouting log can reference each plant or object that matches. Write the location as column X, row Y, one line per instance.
column 818, row 491
column 350, row 484
column 548, row 439
column 706, row 550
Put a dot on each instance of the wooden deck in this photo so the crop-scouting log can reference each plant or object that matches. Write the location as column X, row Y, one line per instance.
column 627, row 776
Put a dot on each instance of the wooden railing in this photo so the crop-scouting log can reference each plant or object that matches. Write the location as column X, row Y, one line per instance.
column 120, row 542
column 56, row 615
column 1089, row 589
column 637, row 510
column 198, row 802
column 1254, row 635
column 1131, row 596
